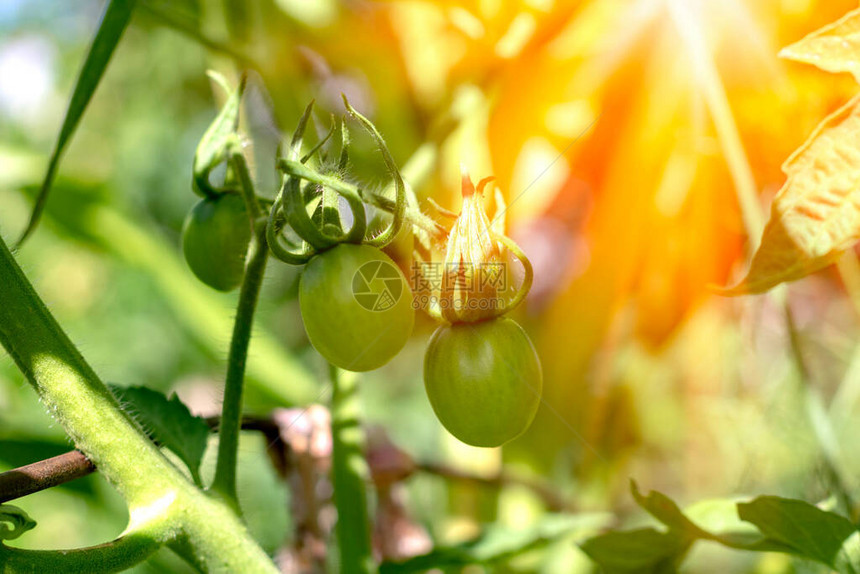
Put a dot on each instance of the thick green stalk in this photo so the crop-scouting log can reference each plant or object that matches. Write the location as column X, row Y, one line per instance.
column 240, row 165
column 349, row 476
column 231, row 411
column 116, row 556
column 234, row 385
column 73, row 393
column 161, row 500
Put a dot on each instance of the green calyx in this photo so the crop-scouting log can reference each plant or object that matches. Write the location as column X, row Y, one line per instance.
column 309, row 200
column 219, row 140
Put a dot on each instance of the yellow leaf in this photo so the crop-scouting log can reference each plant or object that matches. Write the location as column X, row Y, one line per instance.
column 816, row 214
column 833, row 48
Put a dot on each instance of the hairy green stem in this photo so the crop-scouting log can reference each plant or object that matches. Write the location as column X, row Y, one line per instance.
column 240, row 165
column 349, row 476
column 224, row 482
column 73, row 393
column 231, row 410
column 116, row 556
column 301, row 171
column 161, row 500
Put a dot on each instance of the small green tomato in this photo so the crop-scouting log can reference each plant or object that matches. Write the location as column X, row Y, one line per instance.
column 215, row 241
column 483, row 380
column 356, row 306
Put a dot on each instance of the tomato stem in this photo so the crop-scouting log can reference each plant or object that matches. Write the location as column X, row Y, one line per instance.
column 231, row 410
column 240, row 164
column 349, row 474
column 125, row 552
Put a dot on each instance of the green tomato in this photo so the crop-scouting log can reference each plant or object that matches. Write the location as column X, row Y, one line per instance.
column 356, row 306
column 484, row 380
column 215, row 240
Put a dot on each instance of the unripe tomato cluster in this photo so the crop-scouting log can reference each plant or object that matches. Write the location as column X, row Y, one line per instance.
column 481, row 372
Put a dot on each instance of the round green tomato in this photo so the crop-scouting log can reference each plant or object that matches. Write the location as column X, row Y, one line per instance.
column 215, row 241
column 356, row 306
column 484, row 380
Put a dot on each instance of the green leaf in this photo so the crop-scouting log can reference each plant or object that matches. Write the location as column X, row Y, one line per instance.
column 719, row 520
column 813, row 533
column 641, row 551
column 667, row 511
column 832, row 48
column 14, row 522
column 215, row 145
column 497, row 543
column 770, row 524
column 114, row 22
column 169, row 422
column 815, row 217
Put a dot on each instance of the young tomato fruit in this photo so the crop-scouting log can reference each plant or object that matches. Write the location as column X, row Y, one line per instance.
column 484, row 380
column 356, row 306
column 215, row 241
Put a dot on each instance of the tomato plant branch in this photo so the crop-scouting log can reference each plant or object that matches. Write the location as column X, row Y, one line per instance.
column 63, row 468
column 231, row 413
column 70, row 389
column 118, row 555
column 44, row 474
column 240, row 165
column 155, row 490
column 349, row 475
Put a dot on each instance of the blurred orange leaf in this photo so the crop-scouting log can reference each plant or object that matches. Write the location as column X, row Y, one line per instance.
column 833, row 48
column 816, row 215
